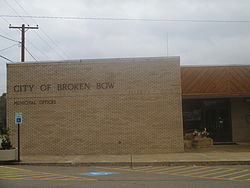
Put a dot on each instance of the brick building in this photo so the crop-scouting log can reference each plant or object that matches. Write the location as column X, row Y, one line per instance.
column 217, row 98
column 108, row 106
column 124, row 106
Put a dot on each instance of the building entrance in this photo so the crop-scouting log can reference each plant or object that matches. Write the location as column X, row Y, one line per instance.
column 212, row 114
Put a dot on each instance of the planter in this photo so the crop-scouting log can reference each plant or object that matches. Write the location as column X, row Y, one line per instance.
column 202, row 142
column 188, row 144
column 8, row 155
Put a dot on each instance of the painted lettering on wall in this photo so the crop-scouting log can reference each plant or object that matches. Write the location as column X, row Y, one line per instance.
column 29, row 88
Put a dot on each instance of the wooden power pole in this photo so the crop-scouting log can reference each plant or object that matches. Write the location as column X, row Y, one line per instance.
column 23, row 29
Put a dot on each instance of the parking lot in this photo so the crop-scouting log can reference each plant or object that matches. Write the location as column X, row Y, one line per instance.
column 160, row 176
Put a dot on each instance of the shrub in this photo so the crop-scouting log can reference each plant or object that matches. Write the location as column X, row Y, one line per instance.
column 5, row 141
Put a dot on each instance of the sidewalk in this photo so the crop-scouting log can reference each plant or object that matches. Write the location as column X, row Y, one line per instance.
column 217, row 155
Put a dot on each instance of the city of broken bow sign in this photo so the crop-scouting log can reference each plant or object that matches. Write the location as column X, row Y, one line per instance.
column 63, row 87
column 29, row 88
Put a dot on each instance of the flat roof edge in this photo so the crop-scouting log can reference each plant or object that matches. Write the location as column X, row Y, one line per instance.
column 216, row 65
column 97, row 59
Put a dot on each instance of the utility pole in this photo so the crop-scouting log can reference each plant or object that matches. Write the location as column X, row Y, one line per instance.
column 18, row 118
column 23, row 29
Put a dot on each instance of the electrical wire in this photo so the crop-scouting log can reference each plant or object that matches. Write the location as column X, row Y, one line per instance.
column 49, row 45
column 14, row 10
column 6, row 59
column 4, row 20
column 127, row 19
column 44, row 54
column 26, row 23
column 13, row 40
column 35, row 31
column 29, row 43
column 51, row 40
column 57, row 46
column 8, row 47
column 30, row 54
column 3, row 31
column 16, row 14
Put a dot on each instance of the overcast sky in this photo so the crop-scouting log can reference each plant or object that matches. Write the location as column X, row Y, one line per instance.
column 59, row 39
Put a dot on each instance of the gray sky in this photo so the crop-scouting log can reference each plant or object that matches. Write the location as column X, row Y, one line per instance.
column 196, row 43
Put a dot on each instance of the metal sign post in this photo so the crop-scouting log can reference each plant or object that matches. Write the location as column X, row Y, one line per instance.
column 18, row 121
column 18, row 142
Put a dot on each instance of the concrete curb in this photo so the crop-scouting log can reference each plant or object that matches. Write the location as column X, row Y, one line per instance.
column 173, row 163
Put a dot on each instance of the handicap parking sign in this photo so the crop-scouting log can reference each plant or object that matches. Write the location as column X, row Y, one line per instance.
column 18, row 118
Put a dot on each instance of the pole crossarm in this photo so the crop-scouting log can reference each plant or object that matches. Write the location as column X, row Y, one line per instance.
column 25, row 27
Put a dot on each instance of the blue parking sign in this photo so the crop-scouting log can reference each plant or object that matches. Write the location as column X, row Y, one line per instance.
column 18, row 118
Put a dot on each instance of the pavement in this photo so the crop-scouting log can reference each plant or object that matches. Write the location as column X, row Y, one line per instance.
column 216, row 155
column 106, row 177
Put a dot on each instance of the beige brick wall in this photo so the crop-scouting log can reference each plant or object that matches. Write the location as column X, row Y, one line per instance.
column 139, row 113
column 240, row 113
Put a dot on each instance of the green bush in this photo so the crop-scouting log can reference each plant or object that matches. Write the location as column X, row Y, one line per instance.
column 3, row 113
column 5, row 144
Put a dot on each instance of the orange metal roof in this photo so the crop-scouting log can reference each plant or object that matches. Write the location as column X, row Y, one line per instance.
column 215, row 81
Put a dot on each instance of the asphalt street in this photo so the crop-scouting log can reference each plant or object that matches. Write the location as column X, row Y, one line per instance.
column 106, row 177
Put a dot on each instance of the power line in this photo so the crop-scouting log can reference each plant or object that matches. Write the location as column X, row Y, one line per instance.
column 44, row 54
column 6, row 58
column 8, row 47
column 18, row 16
column 35, row 32
column 3, row 31
column 127, row 19
column 27, row 24
column 14, row 10
column 49, row 45
column 30, row 54
column 51, row 40
column 5, row 20
column 28, row 41
column 13, row 40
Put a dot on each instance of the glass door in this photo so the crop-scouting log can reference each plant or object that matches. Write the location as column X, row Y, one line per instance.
column 217, row 120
